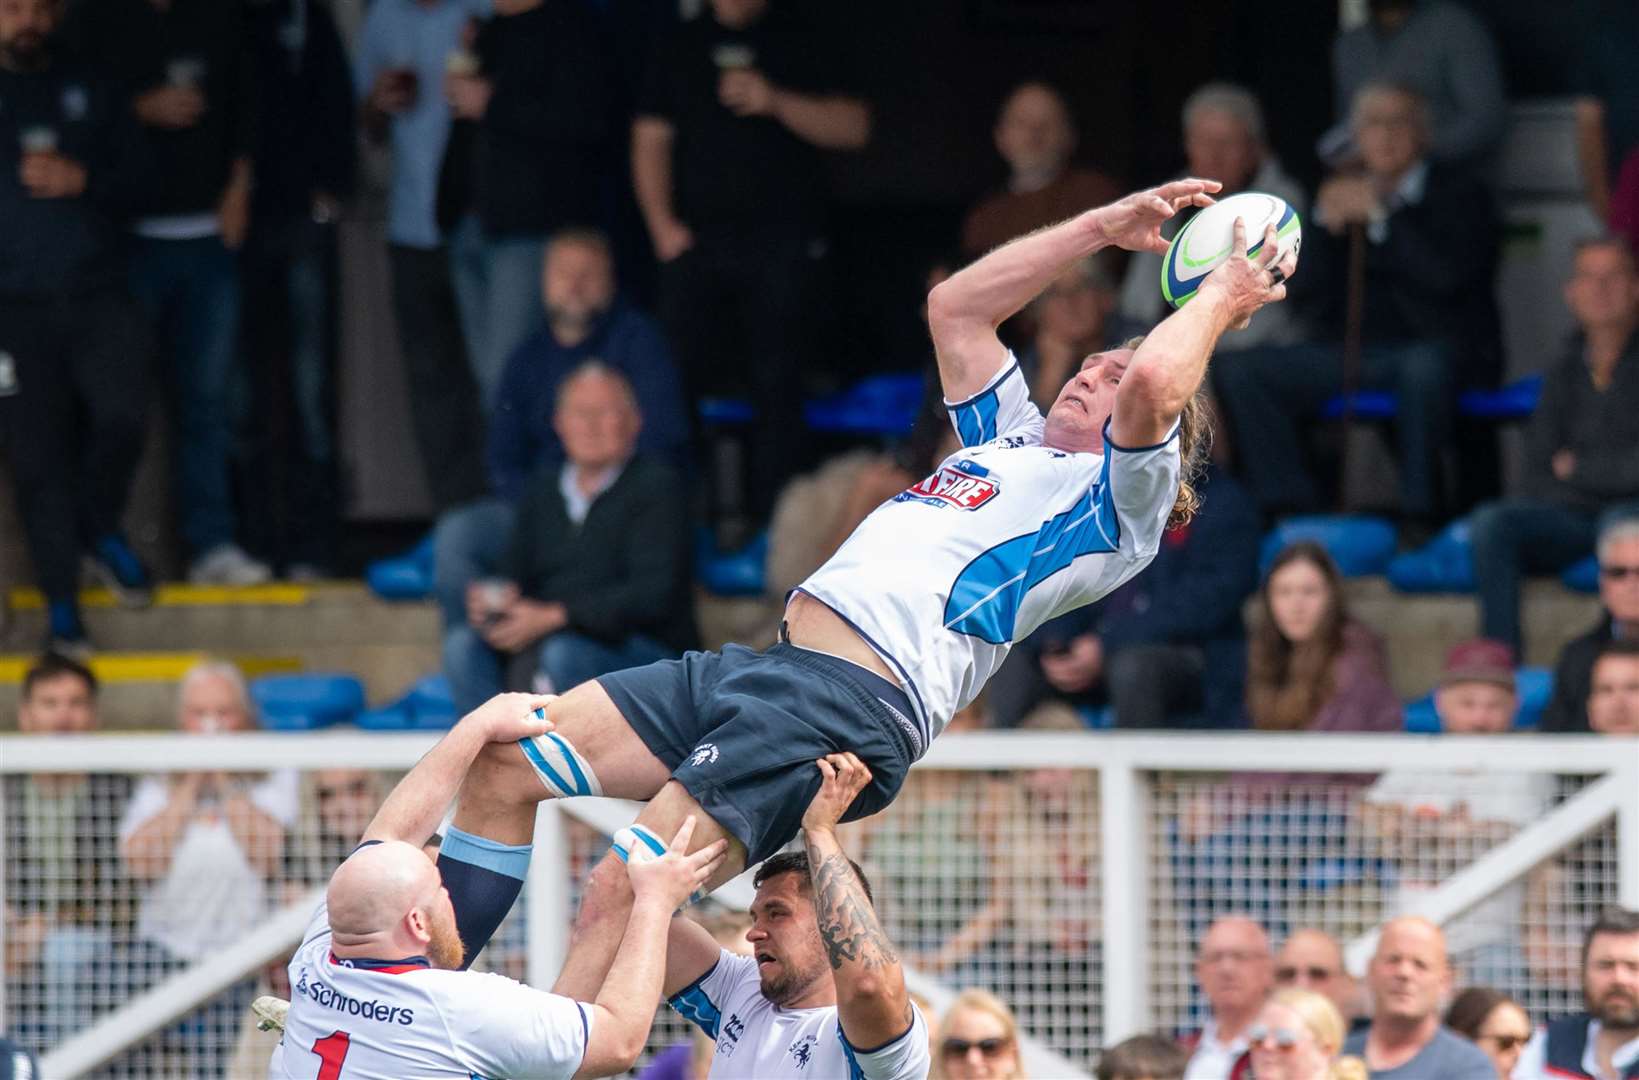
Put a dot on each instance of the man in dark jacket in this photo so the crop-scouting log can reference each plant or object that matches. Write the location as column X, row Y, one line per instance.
column 1582, row 445
column 1619, row 593
column 1429, row 320
column 596, row 573
column 73, row 356
column 1603, row 1041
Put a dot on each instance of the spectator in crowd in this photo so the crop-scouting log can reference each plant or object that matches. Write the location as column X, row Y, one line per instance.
column 1602, row 1042
column 1428, row 322
column 1311, row 667
column 1607, row 115
column 1312, row 959
column 1582, row 443
column 1441, row 50
column 1422, row 815
column 1234, row 970
column 186, row 73
column 540, row 96
column 1225, row 139
column 403, row 50
column 1613, row 698
column 1143, row 1057
column 18, row 1062
column 304, row 163
column 73, row 366
column 205, row 844
column 1494, row 1022
column 333, row 801
column 1168, row 649
column 729, row 171
column 62, row 866
column 1623, row 217
column 1618, row 550
column 1071, row 321
column 596, row 574
column 1409, row 977
column 691, row 1060
column 978, row 1037
column 1036, row 136
column 1297, row 1036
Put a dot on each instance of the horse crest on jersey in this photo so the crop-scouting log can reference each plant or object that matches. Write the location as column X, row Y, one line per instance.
column 802, row 1051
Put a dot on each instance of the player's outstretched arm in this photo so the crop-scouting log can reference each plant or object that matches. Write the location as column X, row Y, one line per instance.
column 624, row 1009
column 965, row 310
column 1168, row 367
column 872, row 1003
column 416, row 806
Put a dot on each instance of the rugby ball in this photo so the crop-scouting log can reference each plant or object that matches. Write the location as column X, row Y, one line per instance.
column 1206, row 240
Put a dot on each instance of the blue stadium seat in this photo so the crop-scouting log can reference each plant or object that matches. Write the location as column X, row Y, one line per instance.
column 1582, row 576
column 1535, row 686
column 1361, row 405
column 426, row 706
column 408, row 576
column 307, row 701
column 1516, row 401
column 1360, row 545
column 720, row 411
column 1421, row 718
column 1098, row 718
column 1443, row 565
column 883, row 405
column 733, row 573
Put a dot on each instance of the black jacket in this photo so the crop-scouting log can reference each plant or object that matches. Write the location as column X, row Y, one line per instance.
column 1600, row 427
column 1573, row 678
column 305, row 134
column 624, row 570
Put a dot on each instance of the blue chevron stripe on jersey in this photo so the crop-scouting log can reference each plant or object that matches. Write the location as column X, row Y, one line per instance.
column 975, row 418
column 693, row 1005
column 986, row 596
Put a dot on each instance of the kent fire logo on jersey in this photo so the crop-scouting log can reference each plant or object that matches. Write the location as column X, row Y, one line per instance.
column 964, row 485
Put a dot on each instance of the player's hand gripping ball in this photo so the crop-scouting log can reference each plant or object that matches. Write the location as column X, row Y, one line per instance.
column 1207, row 239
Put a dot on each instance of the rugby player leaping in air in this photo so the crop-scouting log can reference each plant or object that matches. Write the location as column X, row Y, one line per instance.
column 1034, row 516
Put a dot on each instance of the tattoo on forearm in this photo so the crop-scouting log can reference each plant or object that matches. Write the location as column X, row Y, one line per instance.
column 847, row 922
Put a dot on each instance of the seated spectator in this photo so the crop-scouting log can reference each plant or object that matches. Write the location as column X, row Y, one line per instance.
column 1494, row 1022
column 1297, row 1036
column 1036, row 136
column 595, row 576
column 1143, row 1057
column 336, row 804
column 1444, row 52
column 1312, row 959
column 1310, row 666
column 1224, row 140
column 691, row 1060
column 1071, row 321
column 1582, row 443
column 1602, row 1042
column 205, row 843
column 1613, row 697
column 1618, row 550
column 1234, row 970
column 1409, row 977
column 978, row 1037
column 1428, row 323
column 62, row 867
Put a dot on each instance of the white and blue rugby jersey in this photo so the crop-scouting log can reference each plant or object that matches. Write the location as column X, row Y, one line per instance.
column 758, row 1040
column 1006, row 534
column 363, row 1020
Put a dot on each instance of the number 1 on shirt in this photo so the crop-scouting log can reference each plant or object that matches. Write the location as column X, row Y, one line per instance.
column 332, row 1050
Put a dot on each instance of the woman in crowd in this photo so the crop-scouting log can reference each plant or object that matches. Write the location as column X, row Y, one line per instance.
column 1494, row 1022
column 978, row 1038
column 1297, row 1036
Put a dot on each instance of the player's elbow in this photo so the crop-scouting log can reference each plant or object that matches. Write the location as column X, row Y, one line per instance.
column 1151, row 384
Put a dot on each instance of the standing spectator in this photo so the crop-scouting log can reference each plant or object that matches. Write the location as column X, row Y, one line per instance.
column 1602, row 1042
column 541, row 102
column 1036, row 136
column 1494, row 1022
column 185, row 68
column 1613, row 697
column 1234, row 970
column 1607, row 113
column 73, row 366
column 1312, row 959
column 1224, row 139
column 595, row 577
column 1429, row 319
column 585, row 320
column 1408, row 979
column 1071, row 322
column 1618, row 551
column 729, row 172
column 1310, row 666
column 62, row 870
column 305, row 159
column 1143, row 1057
column 206, row 843
column 403, row 51
column 978, row 1038
column 1444, row 52
column 1582, row 443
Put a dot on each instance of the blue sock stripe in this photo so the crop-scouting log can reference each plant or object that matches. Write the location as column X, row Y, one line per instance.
column 506, row 859
column 548, row 773
column 581, row 786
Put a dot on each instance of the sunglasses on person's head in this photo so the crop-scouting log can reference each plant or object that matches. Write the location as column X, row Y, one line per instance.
column 1285, row 1038
column 1618, row 573
column 1314, row 974
column 987, row 1047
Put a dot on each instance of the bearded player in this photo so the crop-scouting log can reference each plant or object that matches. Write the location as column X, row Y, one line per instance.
column 1034, row 516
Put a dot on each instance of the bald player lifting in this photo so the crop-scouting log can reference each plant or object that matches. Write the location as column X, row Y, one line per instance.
column 1034, row 516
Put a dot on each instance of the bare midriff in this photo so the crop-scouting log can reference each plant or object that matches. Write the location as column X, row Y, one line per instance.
column 809, row 624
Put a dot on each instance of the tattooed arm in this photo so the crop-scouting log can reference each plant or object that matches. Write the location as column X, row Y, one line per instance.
column 872, row 1003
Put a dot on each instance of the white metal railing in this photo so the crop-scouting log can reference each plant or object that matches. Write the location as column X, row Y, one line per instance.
column 1126, row 765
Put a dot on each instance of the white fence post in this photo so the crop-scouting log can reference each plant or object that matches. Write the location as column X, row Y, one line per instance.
column 1627, row 834
column 546, row 921
column 1123, row 799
